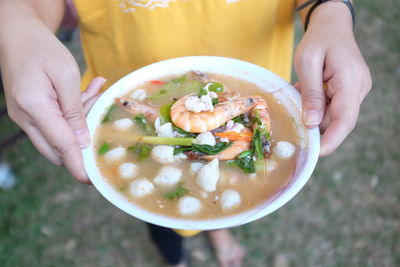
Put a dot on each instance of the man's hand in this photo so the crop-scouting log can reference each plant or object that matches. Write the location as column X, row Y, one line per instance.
column 329, row 54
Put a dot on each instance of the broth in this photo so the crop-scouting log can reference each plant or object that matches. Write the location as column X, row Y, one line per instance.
column 253, row 188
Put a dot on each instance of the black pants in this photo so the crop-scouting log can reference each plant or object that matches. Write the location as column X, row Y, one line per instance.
column 168, row 242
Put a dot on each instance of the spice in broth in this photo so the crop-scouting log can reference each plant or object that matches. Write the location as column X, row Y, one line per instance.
column 199, row 146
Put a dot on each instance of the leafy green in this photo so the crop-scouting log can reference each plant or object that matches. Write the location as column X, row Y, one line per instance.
column 110, row 113
column 243, row 119
column 245, row 161
column 216, row 87
column 177, row 193
column 202, row 92
column 181, row 149
column 165, row 115
column 214, row 101
column 143, row 124
column 140, row 151
column 182, row 132
column 211, row 150
column 177, row 87
column 257, row 143
column 103, row 149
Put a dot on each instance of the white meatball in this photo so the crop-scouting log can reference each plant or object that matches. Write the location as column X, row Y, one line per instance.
column 141, row 187
column 165, row 130
column 127, row 170
column 168, row 176
column 195, row 166
column 189, row 205
column 123, row 124
column 115, row 154
column 206, row 138
column 163, row 154
column 230, row 199
column 284, row 149
column 208, row 176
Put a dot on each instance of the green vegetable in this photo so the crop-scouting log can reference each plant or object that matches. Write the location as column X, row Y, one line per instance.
column 177, row 193
column 104, row 148
column 165, row 115
column 110, row 113
column 210, row 150
column 245, row 161
column 141, row 151
column 143, row 124
column 214, row 101
column 202, row 92
column 182, row 132
column 176, row 88
column 243, row 120
column 259, row 165
column 216, row 87
column 257, row 144
column 171, row 141
column 181, row 149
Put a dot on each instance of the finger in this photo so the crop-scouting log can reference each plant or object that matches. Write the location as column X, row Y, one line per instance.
column 66, row 85
column 62, row 139
column 344, row 112
column 92, row 89
column 42, row 145
column 310, row 71
column 297, row 86
column 89, row 103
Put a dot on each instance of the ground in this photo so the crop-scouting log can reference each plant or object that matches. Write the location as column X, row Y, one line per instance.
column 347, row 215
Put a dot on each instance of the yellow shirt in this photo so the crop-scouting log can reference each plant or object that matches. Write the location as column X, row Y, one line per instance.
column 119, row 36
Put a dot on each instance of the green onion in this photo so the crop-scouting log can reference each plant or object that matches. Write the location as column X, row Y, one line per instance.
column 141, row 151
column 110, row 113
column 216, row 87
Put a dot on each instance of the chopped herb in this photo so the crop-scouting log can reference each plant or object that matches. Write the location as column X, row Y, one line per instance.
column 141, row 152
column 104, row 148
column 245, row 161
column 177, row 193
column 214, row 101
column 202, row 92
column 110, row 113
column 144, row 125
column 216, row 87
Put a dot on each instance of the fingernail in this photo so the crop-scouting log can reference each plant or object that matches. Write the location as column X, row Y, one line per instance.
column 312, row 118
column 101, row 81
column 83, row 137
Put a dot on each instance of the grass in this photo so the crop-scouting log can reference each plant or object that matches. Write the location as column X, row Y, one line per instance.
column 347, row 215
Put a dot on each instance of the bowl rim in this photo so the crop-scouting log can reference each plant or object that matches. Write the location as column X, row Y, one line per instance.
column 120, row 201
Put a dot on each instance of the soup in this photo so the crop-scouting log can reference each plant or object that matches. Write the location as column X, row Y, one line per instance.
column 199, row 146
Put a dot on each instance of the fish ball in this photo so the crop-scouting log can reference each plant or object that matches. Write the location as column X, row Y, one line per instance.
column 207, row 177
column 230, row 199
column 127, row 170
column 206, row 138
column 284, row 149
column 115, row 154
column 163, row 154
column 141, row 187
column 168, row 176
column 123, row 124
column 189, row 205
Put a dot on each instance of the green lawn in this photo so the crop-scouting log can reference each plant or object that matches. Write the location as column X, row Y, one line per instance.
column 347, row 215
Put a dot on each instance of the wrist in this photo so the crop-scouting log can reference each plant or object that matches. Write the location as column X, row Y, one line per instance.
column 332, row 13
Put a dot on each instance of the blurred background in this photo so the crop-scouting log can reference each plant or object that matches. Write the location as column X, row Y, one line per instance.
column 347, row 215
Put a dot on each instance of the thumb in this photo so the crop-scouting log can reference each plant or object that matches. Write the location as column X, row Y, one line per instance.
column 67, row 87
column 312, row 93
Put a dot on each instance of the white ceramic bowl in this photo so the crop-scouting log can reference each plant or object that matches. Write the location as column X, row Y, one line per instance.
column 283, row 91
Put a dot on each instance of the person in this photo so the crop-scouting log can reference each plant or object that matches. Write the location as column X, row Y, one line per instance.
column 42, row 80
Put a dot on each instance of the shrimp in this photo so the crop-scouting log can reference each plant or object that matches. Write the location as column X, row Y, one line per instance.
column 135, row 108
column 205, row 121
